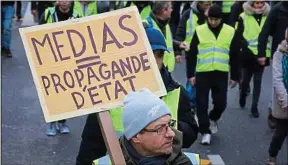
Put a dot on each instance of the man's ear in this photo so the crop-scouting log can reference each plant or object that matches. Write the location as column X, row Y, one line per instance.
column 136, row 139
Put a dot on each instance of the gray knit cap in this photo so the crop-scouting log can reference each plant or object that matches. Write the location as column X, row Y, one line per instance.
column 140, row 109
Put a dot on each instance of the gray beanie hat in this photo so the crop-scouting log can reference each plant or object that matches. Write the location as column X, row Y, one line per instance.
column 140, row 109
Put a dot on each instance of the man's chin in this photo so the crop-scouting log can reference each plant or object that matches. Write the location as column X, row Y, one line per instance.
column 168, row 150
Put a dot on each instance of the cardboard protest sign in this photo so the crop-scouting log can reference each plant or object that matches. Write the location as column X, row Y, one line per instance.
column 88, row 65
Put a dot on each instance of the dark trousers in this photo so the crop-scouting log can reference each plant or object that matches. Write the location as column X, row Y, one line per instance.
column 279, row 136
column 19, row 9
column 217, row 82
column 256, row 73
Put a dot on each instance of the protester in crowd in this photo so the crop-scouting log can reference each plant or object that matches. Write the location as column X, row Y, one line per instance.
column 92, row 144
column 61, row 12
column 149, row 136
column 250, row 24
column 275, row 26
column 213, row 51
column 159, row 19
column 38, row 7
column 18, row 10
column 7, row 13
column 280, row 99
column 190, row 19
column 236, row 10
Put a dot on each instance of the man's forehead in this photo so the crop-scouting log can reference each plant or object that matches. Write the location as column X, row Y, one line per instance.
column 163, row 120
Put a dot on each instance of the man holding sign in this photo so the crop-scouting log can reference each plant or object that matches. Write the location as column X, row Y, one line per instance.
column 149, row 137
column 92, row 145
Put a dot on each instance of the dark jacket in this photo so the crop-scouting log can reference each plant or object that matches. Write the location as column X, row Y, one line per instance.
column 93, row 147
column 236, row 10
column 177, row 157
column 247, row 58
column 181, row 30
column 191, row 58
column 275, row 25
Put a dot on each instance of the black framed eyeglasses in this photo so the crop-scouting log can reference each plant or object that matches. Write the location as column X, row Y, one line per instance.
column 163, row 129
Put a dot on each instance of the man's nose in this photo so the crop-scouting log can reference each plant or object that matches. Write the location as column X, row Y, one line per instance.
column 170, row 133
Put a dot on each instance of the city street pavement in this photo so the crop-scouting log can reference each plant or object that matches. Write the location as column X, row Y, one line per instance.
column 240, row 140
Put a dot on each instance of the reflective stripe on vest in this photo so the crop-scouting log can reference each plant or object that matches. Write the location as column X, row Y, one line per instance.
column 171, row 100
column 169, row 58
column 90, row 10
column 53, row 16
column 105, row 160
column 251, row 32
column 190, row 27
column 226, row 6
column 213, row 54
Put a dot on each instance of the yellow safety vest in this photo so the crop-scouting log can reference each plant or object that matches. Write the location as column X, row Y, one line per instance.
column 91, row 9
column 105, row 160
column 251, row 32
column 171, row 100
column 191, row 25
column 53, row 16
column 169, row 58
column 226, row 6
column 213, row 54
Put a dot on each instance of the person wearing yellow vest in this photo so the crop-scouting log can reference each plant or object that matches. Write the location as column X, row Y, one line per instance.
column 86, row 8
column 190, row 19
column 149, row 136
column 93, row 147
column 251, row 22
column 159, row 19
column 213, row 52
column 61, row 12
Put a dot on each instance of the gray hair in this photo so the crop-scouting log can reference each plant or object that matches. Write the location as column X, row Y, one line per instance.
column 158, row 6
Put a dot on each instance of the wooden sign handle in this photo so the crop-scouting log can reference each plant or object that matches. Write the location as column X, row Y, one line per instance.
column 110, row 138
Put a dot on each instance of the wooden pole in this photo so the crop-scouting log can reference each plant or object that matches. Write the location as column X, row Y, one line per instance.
column 110, row 138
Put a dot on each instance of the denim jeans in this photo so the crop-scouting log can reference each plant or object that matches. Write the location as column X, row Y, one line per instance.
column 7, row 13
